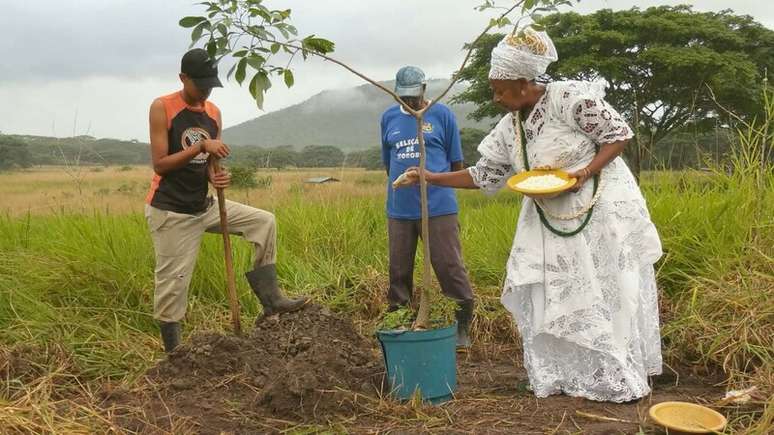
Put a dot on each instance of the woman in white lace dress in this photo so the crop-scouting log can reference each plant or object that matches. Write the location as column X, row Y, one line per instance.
column 580, row 284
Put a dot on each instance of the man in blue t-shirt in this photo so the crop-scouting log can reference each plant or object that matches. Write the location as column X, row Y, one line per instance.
column 400, row 151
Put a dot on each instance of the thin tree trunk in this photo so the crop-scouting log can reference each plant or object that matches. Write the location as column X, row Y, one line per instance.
column 423, row 316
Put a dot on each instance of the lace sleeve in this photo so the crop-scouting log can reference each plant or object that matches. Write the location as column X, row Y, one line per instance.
column 599, row 121
column 490, row 175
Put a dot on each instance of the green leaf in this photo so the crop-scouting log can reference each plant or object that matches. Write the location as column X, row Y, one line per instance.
column 258, row 85
column 212, row 48
column 259, row 32
column 256, row 61
column 284, row 32
column 262, row 12
column 188, row 22
column 276, row 17
column 223, row 29
column 241, row 70
column 196, row 34
column 254, row 85
column 263, row 80
column 221, row 47
column 275, row 48
column 319, row 45
column 528, row 4
column 240, row 53
column 288, row 76
column 231, row 71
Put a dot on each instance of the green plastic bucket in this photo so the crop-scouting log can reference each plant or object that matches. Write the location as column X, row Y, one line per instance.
column 421, row 360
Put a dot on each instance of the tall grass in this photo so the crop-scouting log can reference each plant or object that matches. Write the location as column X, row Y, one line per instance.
column 87, row 279
column 80, row 285
column 724, row 313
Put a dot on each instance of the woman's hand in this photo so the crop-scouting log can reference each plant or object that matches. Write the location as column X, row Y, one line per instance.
column 411, row 177
column 581, row 176
column 219, row 180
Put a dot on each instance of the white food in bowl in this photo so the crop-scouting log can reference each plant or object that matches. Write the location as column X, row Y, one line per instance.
column 540, row 182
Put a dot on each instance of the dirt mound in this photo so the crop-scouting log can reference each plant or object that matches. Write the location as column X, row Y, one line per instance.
column 301, row 365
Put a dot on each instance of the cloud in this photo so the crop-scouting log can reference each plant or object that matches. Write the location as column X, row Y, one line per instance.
column 53, row 39
column 107, row 59
column 56, row 40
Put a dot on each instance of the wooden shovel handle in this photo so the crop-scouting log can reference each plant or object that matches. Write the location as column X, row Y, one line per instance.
column 230, row 278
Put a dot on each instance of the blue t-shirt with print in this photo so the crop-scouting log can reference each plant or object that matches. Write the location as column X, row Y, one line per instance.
column 400, row 151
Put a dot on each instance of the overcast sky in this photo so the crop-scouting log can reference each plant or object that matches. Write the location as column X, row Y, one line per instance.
column 94, row 66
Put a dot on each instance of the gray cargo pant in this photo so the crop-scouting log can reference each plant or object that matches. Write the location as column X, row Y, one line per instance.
column 445, row 256
column 176, row 239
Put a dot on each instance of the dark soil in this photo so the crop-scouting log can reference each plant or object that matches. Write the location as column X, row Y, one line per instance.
column 305, row 366
column 311, row 370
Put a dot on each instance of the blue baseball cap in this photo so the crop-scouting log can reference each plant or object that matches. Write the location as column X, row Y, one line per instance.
column 409, row 81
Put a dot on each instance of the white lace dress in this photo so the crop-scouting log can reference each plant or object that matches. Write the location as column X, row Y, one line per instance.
column 586, row 305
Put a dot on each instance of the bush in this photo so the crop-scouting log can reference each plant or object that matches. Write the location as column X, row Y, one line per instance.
column 243, row 177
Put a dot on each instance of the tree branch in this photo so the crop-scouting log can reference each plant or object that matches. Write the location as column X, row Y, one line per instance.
column 415, row 113
column 343, row 65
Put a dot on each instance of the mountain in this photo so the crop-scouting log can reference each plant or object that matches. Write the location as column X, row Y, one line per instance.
column 347, row 118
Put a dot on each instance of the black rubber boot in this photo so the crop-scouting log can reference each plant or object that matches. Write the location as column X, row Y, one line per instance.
column 464, row 315
column 263, row 281
column 170, row 335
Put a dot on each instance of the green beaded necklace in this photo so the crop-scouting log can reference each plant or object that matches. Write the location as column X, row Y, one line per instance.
column 542, row 215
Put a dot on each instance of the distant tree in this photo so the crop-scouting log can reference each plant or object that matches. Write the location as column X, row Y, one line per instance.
column 470, row 138
column 58, row 151
column 14, row 153
column 369, row 159
column 278, row 158
column 315, row 156
column 281, row 157
column 661, row 64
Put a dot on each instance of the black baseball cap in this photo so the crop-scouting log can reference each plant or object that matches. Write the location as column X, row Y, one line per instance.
column 198, row 65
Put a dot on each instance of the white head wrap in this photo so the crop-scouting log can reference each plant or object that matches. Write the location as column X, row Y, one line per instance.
column 522, row 56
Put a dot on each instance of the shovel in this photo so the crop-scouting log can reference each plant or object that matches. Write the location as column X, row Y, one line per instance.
column 230, row 278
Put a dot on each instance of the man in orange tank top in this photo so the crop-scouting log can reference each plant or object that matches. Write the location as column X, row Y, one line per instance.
column 185, row 132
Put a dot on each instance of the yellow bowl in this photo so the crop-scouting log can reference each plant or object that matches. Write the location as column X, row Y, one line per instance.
column 541, row 193
column 687, row 417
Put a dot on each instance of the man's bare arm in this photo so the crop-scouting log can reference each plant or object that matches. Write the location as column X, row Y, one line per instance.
column 163, row 162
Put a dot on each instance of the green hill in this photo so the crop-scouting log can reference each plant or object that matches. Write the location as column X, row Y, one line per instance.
column 347, row 119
